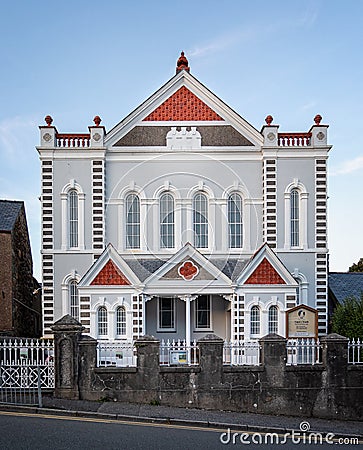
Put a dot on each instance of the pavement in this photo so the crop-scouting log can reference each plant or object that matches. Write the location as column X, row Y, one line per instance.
column 192, row 417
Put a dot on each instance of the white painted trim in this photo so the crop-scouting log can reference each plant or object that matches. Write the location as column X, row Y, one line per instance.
column 303, row 219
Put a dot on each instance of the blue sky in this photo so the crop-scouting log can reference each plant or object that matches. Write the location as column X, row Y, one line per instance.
column 291, row 59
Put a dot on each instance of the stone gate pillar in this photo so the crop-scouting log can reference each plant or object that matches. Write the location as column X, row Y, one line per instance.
column 67, row 333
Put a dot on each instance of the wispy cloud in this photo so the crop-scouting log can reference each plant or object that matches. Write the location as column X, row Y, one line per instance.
column 309, row 105
column 348, row 167
column 14, row 132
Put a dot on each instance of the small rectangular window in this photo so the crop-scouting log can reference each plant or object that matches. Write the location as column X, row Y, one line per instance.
column 166, row 313
column 203, row 312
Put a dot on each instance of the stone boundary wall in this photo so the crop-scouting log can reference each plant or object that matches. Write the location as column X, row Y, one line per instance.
column 332, row 389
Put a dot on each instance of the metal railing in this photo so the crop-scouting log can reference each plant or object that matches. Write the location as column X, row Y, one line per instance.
column 177, row 352
column 355, row 351
column 116, row 354
column 303, row 351
column 241, row 353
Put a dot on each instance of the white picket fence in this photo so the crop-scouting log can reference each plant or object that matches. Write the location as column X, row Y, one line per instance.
column 303, row 351
column 241, row 353
column 116, row 354
column 177, row 352
column 355, row 351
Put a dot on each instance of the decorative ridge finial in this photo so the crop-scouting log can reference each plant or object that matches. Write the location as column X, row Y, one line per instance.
column 97, row 120
column 269, row 120
column 182, row 63
column 317, row 119
column 48, row 120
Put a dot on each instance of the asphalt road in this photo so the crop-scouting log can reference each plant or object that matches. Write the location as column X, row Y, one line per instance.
column 23, row 431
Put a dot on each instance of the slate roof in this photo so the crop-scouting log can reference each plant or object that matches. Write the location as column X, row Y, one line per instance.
column 345, row 284
column 143, row 268
column 9, row 212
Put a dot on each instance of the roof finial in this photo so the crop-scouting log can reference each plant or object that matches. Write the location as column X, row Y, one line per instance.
column 97, row 120
column 317, row 119
column 269, row 120
column 182, row 63
column 48, row 120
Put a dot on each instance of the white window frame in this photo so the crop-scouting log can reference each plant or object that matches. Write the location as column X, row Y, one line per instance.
column 197, row 328
column 160, row 328
column 254, row 322
column 164, row 220
column 134, row 223
column 273, row 322
column 204, row 224
column 303, row 208
column 104, row 323
column 72, row 186
column 239, row 211
column 74, row 299
column 122, row 323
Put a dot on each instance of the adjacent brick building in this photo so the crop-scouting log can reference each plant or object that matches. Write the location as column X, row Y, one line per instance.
column 19, row 294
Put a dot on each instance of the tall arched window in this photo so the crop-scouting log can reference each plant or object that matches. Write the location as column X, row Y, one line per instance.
column 255, row 325
column 73, row 299
column 167, row 221
column 235, row 224
column 132, row 221
column 73, row 218
column 121, row 321
column 102, row 325
column 200, row 220
column 273, row 321
column 294, row 218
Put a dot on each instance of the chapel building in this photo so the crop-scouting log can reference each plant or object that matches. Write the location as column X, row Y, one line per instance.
column 183, row 220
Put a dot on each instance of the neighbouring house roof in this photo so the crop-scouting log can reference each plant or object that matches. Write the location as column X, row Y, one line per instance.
column 345, row 284
column 9, row 212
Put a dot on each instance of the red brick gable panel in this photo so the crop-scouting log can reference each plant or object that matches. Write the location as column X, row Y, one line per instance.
column 183, row 105
column 265, row 274
column 110, row 275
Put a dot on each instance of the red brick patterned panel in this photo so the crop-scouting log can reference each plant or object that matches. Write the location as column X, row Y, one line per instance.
column 183, row 105
column 265, row 274
column 110, row 275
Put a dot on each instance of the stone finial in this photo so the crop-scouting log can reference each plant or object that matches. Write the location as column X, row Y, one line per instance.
column 97, row 120
column 269, row 120
column 182, row 63
column 48, row 120
column 317, row 119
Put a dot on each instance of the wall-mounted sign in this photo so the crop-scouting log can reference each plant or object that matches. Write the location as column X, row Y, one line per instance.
column 302, row 321
column 178, row 357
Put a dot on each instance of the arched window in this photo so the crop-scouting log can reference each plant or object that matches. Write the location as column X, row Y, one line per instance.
column 102, row 321
column 132, row 221
column 255, row 320
column 167, row 221
column 73, row 299
column 273, row 321
column 73, row 218
column 294, row 218
column 200, row 220
column 235, row 224
column 121, row 321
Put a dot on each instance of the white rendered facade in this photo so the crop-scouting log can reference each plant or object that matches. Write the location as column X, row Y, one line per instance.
column 182, row 220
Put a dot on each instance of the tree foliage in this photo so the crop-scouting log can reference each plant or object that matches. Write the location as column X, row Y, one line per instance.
column 357, row 267
column 348, row 318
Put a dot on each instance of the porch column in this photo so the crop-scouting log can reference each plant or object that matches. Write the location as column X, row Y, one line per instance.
column 187, row 299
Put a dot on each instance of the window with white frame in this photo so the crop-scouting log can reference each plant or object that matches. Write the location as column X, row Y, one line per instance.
column 200, row 220
column 167, row 221
column 132, row 221
column 73, row 218
column 255, row 322
column 203, row 312
column 273, row 320
column 121, row 321
column 102, row 324
column 235, row 224
column 294, row 218
column 166, row 316
column 73, row 299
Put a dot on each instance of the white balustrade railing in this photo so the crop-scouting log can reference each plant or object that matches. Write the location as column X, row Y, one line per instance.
column 355, row 351
column 25, row 361
column 116, row 354
column 303, row 351
column 177, row 352
column 241, row 353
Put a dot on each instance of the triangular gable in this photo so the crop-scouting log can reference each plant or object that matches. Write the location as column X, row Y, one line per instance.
column 183, row 105
column 265, row 274
column 188, row 261
column 110, row 275
column 265, row 268
column 213, row 110
column 109, row 270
